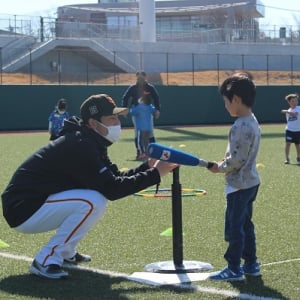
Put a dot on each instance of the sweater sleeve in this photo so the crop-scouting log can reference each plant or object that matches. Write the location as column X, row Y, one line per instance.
column 237, row 151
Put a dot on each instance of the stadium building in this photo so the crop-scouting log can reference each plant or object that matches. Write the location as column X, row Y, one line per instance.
column 116, row 36
column 188, row 20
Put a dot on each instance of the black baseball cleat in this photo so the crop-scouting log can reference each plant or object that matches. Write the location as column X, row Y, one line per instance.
column 77, row 259
column 51, row 271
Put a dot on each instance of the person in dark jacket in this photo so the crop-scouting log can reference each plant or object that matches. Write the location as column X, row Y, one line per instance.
column 130, row 99
column 65, row 185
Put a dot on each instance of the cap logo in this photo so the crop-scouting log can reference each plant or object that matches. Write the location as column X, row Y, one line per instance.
column 111, row 100
column 93, row 110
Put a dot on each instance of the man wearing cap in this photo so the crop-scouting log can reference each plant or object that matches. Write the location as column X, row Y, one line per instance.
column 134, row 93
column 64, row 186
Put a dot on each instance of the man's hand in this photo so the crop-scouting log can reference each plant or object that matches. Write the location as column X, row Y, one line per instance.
column 163, row 167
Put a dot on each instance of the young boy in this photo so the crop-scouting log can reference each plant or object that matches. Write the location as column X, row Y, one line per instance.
column 143, row 113
column 242, row 179
column 292, row 130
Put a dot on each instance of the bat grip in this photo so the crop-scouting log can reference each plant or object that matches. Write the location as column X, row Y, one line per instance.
column 205, row 163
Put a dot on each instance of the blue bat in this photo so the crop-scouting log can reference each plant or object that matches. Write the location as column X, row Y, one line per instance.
column 169, row 154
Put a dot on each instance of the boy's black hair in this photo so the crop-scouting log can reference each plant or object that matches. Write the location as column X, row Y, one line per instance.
column 146, row 98
column 239, row 84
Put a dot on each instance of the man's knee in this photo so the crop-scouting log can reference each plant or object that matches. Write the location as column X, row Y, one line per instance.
column 99, row 202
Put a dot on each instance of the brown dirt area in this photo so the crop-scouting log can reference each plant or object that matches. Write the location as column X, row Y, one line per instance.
column 180, row 78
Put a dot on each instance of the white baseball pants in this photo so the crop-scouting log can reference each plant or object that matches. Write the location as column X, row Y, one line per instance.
column 72, row 213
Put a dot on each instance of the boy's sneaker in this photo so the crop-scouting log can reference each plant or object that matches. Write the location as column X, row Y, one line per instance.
column 51, row 271
column 287, row 161
column 77, row 259
column 252, row 270
column 227, row 275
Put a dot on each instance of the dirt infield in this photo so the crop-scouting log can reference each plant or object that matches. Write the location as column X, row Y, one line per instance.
column 180, row 78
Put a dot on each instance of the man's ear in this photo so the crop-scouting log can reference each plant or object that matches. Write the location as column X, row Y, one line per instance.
column 92, row 123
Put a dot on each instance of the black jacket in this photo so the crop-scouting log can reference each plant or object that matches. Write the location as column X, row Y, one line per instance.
column 134, row 92
column 76, row 160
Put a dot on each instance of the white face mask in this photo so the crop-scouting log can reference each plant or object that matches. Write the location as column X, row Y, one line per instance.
column 113, row 134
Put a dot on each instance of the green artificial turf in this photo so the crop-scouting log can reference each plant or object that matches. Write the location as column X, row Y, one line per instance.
column 129, row 235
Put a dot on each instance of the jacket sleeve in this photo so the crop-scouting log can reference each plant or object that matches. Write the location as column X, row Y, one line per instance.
column 155, row 97
column 141, row 168
column 95, row 171
column 126, row 96
column 115, row 187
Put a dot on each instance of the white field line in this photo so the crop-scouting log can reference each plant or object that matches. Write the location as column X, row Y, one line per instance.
column 280, row 262
column 102, row 272
column 201, row 289
column 225, row 293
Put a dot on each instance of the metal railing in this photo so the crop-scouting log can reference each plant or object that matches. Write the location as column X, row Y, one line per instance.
column 88, row 68
column 20, row 37
column 45, row 28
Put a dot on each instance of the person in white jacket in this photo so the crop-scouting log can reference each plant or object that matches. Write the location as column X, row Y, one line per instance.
column 292, row 129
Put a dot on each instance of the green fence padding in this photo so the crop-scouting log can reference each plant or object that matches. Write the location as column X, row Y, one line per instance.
column 27, row 107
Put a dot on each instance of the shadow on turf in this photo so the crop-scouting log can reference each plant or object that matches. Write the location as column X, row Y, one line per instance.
column 81, row 285
column 187, row 134
column 255, row 286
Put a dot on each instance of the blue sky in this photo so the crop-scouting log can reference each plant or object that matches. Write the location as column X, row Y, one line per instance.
column 277, row 12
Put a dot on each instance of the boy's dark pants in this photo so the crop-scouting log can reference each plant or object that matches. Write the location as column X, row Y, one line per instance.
column 239, row 228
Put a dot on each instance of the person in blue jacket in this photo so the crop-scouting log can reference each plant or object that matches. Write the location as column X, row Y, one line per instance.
column 57, row 118
column 134, row 93
column 143, row 113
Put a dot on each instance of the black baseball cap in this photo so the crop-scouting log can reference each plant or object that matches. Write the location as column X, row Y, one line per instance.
column 100, row 105
column 61, row 104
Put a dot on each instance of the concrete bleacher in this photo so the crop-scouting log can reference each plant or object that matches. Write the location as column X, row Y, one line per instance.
column 14, row 46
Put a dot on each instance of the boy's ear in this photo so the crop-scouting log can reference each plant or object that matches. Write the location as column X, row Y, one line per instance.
column 237, row 99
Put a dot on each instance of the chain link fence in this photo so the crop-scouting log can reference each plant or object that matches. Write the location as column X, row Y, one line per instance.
column 85, row 67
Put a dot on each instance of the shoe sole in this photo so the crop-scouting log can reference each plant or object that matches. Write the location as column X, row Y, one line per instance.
column 38, row 273
column 228, row 279
column 67, row 262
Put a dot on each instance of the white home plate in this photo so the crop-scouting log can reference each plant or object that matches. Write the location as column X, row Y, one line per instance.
column 167, row 278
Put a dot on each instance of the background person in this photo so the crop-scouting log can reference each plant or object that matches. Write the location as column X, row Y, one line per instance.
column 143, row 113
column 64, row 186
column 134, row 93
column 242, row 179
column 57, row 118
column 292, row 130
